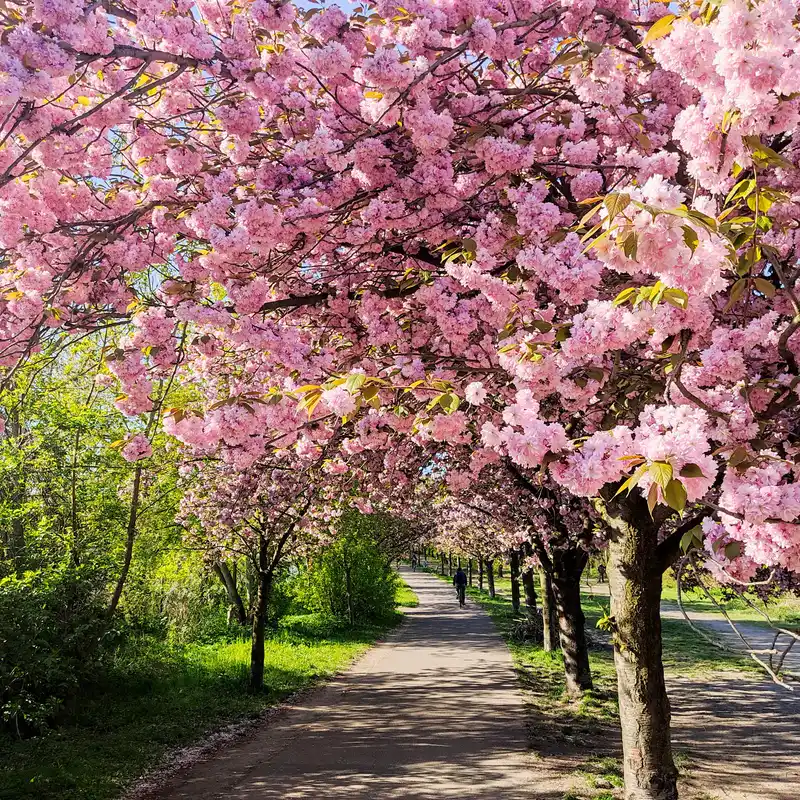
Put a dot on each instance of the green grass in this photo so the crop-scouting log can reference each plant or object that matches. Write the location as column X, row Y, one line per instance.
column 785, row 608
column 686, row 652
column 404, row 596
column 156, row 698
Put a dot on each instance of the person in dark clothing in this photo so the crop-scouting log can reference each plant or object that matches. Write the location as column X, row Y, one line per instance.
column 460, row 582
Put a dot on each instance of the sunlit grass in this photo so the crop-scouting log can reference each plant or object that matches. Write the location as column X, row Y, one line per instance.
column 157, row 698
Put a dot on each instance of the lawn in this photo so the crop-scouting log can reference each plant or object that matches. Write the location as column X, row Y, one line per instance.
column 157, row 698
column 784, row 609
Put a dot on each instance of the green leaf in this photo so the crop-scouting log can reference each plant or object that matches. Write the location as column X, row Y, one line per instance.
column 690, row 237
column 736, row 293
column 368, row 392
column 733, row 550
column 633, row 480
column 660, row 28
column 767, row 288
column 661, row 473
column 652, row 498
column 740, row 190
column 625, row 295
column 691, row 471
column 355, row 381
column 616, row 204
column 630, row 246
column 676, row 297
column 692, row 537
column 737, row 456
column 675, row 495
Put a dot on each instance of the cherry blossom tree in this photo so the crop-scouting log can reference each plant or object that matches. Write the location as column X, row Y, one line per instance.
column 269, row 513
column 562, row 234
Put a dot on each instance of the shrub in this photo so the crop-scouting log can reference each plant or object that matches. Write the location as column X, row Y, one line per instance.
column 53, row 635
column 351, row 580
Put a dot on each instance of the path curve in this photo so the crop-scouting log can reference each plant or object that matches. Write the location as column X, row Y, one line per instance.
column 435, row 712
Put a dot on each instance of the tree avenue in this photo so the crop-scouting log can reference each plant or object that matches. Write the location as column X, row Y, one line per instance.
column 544, row 252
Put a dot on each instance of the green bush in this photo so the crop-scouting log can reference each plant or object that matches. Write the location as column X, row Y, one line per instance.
column 351, row 580
column 53, row 635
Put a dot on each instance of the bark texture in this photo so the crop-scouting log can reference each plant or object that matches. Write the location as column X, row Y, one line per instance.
column 529, row 586
column 566, row 581
column 549, row 622
column 635, row 570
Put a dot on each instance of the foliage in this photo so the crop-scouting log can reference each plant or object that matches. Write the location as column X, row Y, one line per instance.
column 156, row 697
column 352, row 580
column 54, row 634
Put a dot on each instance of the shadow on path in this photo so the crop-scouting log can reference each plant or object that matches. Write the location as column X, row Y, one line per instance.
column 436, row 712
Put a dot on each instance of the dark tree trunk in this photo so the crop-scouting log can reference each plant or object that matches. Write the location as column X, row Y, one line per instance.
column 234, row 598
column 450, row 564
column 129, row 540
column 260, row 618
column 635, row 571
column 529, row 586
column 549, row 622
column 499, row 569
column 443, row 571
column 480, row 574
column 566, row 583
column 514, row 566
column 470, row 572
column 490, row 576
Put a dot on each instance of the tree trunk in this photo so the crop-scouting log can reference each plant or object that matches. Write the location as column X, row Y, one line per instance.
column 234, row 598
column 566, row 583
column 549, row 623
column 443, row 564
column 490, row 576
column 450, row 564
column 530, row 593
column 635, row 573
column 470, row 572
column 129, row 540
column 514, row 565
column 480, row 574
column 260, row 618
column 499, row 569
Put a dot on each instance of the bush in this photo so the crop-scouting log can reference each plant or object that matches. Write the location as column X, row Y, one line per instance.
column 351, row 580
column 53, row 635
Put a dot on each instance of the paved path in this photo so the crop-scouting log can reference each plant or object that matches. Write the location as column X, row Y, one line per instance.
column 433, row 713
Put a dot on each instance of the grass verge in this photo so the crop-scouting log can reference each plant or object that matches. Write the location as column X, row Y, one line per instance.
column 405, row 596
column 156, row 698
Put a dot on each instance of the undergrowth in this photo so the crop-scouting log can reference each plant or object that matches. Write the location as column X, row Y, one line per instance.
column 155, row 697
